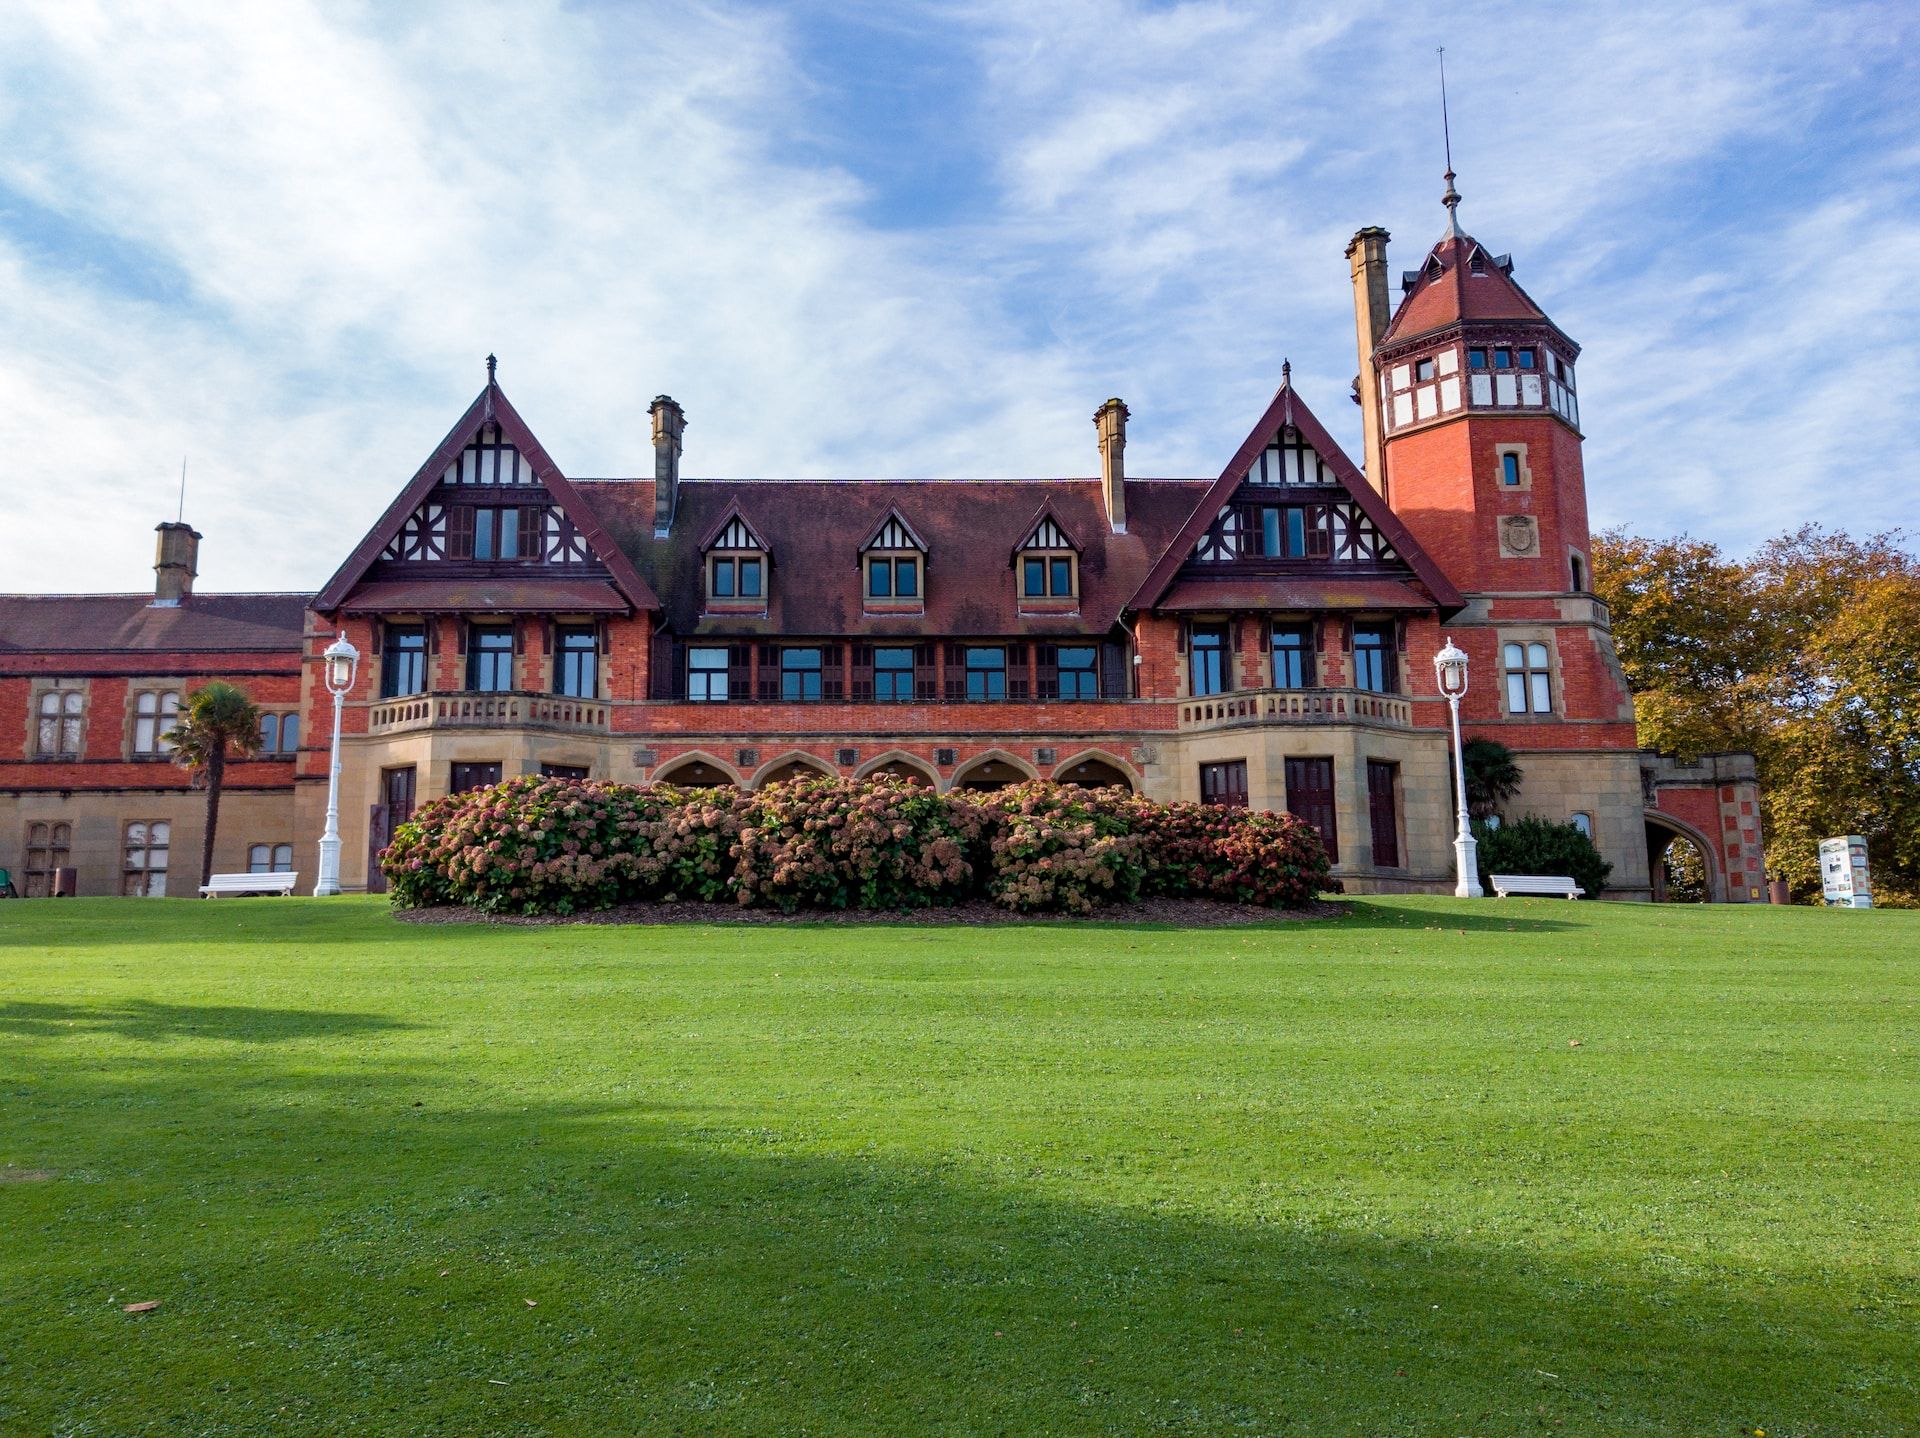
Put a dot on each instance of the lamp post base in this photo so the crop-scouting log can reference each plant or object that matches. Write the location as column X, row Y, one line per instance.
column 329, row 881
column 1466, row 858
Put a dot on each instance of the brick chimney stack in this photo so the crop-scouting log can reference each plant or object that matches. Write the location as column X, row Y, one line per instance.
column 669, row 424
column 1110, row 420
column 1367, row 257
column 176, row 559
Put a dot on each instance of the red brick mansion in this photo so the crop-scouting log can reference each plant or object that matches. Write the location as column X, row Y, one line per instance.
column 1262, row 637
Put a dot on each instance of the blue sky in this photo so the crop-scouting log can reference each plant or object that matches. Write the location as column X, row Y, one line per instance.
column 920, row 239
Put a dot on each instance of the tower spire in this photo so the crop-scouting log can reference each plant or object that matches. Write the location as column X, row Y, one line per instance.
column 1452, row 197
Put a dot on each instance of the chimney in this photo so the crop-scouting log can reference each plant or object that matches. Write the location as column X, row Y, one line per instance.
column 1367, row 255
column 176, row 559
column 1111, row 422
column 669, row 423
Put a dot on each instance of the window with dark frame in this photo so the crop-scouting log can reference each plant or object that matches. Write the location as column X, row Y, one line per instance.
column 575, row 773
column 1529, row 678
column 1208, row 667
column 1373, row 666
column 1422, row 370
column 576, row 670
column 1510, row 468
column 986, row 672
column 490, row 658
column 1292, row 656
column 1224, row 783
column 893, row 675
column 1047, row 576
column 496, row 532
column 481, row 774
column 707, row 676
column 403, row 662
column 1476, row 359
column 800, row 675
column 1079, row 671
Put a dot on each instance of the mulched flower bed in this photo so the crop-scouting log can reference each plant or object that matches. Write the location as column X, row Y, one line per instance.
column 1179, row 913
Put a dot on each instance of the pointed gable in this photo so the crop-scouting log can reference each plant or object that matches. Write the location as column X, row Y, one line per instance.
column 1289, row 454
column 893, row 532
column 732, row 531
column 426, row 534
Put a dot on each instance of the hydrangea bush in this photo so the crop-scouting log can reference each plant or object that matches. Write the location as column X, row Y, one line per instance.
column 537, row 845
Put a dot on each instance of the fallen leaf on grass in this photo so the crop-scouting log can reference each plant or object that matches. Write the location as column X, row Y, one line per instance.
column 1573, row 1043
column 146, row 1307
column 532, row 1304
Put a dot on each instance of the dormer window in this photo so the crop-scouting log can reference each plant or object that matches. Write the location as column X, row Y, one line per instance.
column 496, row 533
column 892, row 567
column 737, row 564
column 1047, row 566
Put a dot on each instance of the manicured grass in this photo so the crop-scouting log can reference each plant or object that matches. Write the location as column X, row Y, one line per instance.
column 1344, row 1177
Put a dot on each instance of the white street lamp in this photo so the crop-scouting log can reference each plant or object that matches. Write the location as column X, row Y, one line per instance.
column 1450, row 668
column 343, row 661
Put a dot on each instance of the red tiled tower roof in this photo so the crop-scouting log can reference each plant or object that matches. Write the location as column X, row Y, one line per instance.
column 1460, row 280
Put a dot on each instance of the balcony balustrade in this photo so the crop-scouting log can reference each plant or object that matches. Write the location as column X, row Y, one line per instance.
column 1296, row 706
column 509, row 710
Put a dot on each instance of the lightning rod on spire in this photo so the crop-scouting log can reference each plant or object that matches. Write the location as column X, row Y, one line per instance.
column 1452, row 197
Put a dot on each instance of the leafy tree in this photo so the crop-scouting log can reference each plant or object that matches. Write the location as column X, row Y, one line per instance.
column 1532, row 845
column 1492, row 776
column 1808, row 655
column 217, row 718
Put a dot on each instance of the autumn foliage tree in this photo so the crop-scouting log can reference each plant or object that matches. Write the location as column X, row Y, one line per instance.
column 1807, row 654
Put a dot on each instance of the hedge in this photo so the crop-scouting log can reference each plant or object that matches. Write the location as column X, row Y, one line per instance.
column 538, row 845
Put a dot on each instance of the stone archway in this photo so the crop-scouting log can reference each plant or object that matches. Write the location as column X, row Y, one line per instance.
column 789, row 767
column 1095, row 770
column 901, row 765
column 993, row 770
column 1680, row 858
column 696, row 771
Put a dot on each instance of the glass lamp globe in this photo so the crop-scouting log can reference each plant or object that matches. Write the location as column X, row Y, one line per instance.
column 1450, row 668
column 343, row 660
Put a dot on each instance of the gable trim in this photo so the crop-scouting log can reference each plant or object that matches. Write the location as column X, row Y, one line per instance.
column 893, row 515
column 1288, row 409
column 491, row 404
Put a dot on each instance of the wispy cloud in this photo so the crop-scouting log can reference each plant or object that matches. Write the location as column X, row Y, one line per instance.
column 279, row 240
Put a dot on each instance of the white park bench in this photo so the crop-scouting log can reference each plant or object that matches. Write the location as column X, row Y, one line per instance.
column 219, row 884
column 1552, row 885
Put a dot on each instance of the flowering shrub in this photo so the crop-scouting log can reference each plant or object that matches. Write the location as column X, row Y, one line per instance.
column 536, row 845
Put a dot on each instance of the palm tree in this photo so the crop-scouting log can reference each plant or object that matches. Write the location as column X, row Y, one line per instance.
column 216, row 717
column 1492, row 776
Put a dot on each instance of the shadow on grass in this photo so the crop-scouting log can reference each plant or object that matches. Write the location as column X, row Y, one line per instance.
column 148, row 1021
column 358, row 1251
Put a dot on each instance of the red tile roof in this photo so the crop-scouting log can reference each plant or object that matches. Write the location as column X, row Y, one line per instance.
column 1449, row 290
column 814, row 529
column 108, row 623
column 1320, row 591
column 505, row 594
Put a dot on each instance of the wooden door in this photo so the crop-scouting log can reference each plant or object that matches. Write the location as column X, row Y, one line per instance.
column 1383, row 812
column 1310, row 796
column 393, row 810
column 1224, row 783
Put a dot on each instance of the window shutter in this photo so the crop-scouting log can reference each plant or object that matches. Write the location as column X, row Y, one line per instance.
column 862, row 672
column 460, row 531
column 1113, row 670
column 379, row 638
column 676, row 675
column 432, row 626
column 833, row 674
column 739, row 672
column 769, row 673
column 662, row 681
column 956, row 673
column 1346, row 636
column 519, row 637
column 1018, row 675
column 1046, row 677
column 925, row 676
column 460, row 636
column 1180, row 638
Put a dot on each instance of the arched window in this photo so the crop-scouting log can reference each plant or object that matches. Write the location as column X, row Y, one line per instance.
column 154, row 714
column 61, row 713
column 269, row 733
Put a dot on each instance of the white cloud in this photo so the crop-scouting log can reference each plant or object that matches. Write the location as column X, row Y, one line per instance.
column 280, row 241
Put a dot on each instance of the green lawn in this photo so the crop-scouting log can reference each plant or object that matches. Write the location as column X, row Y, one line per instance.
column 1431, row 1168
